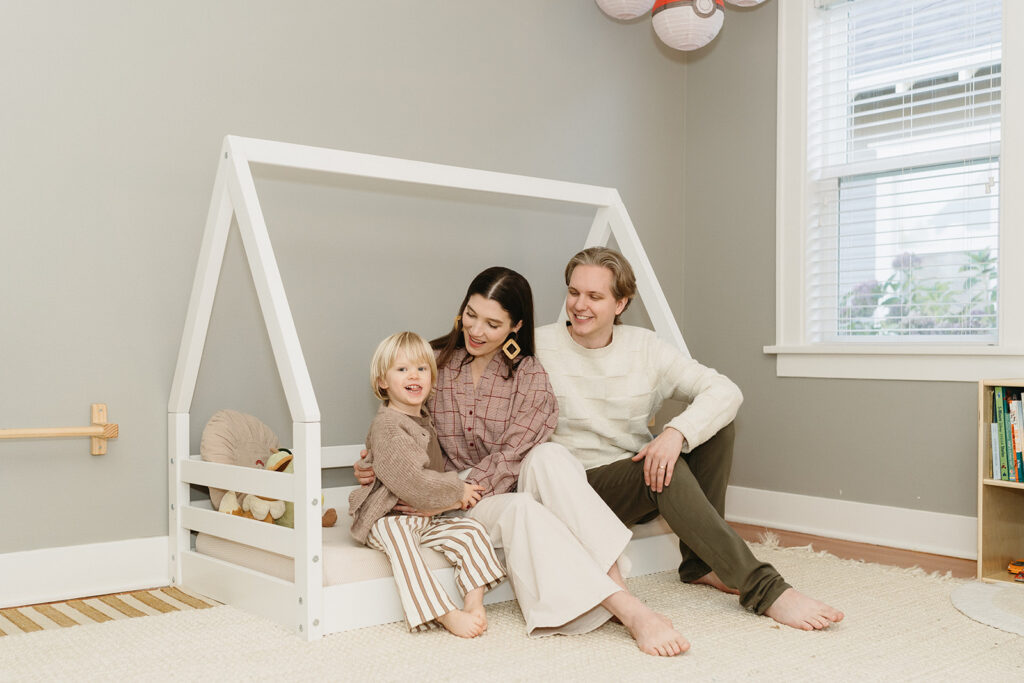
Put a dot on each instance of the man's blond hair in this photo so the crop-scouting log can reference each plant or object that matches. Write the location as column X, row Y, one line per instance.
column 623, row 280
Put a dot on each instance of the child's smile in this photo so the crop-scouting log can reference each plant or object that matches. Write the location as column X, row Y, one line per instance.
column 407, row 384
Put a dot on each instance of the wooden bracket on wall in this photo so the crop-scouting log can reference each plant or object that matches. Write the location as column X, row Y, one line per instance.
column 99, row 432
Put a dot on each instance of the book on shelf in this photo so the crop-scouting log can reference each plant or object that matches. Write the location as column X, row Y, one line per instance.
column 999, row 418
column 1017, row 421
column 995, row 451
column 1011, row 447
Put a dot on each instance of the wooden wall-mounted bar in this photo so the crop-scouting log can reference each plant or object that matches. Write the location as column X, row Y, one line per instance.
column 99, row 432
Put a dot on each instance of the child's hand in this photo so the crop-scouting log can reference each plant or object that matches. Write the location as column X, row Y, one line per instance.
column 471, row 495
column 364, row 475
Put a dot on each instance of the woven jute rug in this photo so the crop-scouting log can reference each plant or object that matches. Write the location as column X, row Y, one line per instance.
column 100, row 609
column 900, row 626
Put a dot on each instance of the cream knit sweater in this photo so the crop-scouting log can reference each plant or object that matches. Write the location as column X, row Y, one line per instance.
column 607, row 396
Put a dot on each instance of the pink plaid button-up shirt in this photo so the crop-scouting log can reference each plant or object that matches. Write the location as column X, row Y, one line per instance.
column 492, row 426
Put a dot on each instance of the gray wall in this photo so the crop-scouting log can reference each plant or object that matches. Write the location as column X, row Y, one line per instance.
column 113, row 116
column 905, row 444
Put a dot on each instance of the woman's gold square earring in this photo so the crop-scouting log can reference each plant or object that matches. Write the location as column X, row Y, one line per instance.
column 511, row 349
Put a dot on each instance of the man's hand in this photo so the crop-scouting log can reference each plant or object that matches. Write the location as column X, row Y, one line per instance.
column 364, row 476
column 660, row 457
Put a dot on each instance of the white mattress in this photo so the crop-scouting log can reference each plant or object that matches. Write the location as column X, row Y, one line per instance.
column 345, row 560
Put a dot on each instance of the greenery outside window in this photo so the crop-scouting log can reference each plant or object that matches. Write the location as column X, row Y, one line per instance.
column 894, row 226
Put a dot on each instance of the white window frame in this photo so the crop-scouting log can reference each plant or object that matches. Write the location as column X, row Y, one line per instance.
column 939, row 361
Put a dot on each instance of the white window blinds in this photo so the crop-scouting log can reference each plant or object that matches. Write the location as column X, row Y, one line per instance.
column 903, row 163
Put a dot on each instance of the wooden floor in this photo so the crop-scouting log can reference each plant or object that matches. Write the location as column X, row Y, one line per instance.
column 895, row 557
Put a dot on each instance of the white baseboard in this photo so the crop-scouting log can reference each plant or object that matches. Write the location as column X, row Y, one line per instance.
column 50, row 574
column 927, row 532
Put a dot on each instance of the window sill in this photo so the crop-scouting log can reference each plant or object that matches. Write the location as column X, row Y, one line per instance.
column 946, row 363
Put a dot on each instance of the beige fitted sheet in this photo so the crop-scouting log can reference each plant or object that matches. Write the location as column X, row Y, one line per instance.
column 344, row 559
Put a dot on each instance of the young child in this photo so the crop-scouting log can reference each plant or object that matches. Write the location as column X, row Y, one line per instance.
column 409, row 465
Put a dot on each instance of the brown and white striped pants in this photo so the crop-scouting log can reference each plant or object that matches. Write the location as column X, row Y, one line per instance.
column 464, row 543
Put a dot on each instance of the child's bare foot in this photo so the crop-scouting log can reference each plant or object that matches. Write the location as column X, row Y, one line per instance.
column 711, row 579
column 653, row 632
column 795, row 609
column 461, row 623
column 475, row 605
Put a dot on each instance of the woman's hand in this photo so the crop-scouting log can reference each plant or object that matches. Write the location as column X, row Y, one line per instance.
column 407, row 509
column 660, row 457
column 471, row 495
column 364, row 476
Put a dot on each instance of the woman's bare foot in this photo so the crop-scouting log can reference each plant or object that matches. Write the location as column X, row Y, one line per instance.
column 795, row 609
column 655, row 635
column 711, row 579
column 653, row 632
column 463, row 624
column 475, row 605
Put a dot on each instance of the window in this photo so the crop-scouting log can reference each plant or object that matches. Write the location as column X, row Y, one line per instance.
column 891, row 170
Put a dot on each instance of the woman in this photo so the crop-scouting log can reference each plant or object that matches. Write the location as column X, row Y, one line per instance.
column 494, row 411
column 609, row 379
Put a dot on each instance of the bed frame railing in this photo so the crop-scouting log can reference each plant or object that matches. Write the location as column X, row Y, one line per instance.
column 301, row 487
column 302, row 599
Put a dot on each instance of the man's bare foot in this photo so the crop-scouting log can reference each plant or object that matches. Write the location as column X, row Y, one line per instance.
column 711, row 579
column 795, row 609
column 463, row 624
column 475, row 605
column 653, row 632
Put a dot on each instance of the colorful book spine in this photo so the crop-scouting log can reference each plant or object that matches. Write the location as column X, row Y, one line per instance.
column 1000, row 418
column 1018, row 427
column 1011, row 449
column 995, row 451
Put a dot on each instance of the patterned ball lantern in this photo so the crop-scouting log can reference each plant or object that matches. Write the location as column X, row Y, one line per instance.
column 625, row 9
column 688, row 24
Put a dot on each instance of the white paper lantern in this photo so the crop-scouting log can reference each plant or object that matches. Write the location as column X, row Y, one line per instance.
column 688, row 24
column 744, row 3
column 625, row 9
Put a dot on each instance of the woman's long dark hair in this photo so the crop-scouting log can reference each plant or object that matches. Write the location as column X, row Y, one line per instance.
column 513, row 293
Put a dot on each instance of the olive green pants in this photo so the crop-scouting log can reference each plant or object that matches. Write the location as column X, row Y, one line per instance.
column 693, row 504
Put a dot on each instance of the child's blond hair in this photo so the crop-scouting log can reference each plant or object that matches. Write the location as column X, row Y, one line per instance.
column 415, row 348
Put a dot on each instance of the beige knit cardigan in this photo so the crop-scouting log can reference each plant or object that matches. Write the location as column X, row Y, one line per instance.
column 397, row 446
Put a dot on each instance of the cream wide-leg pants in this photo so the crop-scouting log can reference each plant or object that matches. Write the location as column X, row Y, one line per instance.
column 560, row 539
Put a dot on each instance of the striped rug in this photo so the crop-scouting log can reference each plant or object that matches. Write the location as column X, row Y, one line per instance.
column 97, row 610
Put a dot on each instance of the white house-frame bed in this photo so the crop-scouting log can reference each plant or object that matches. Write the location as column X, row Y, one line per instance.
column 304, row 604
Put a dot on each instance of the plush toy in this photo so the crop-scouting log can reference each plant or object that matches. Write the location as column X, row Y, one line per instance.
column 251, row 507
column 257, row 507
column 263, row 509
column 285, row 463
column 234, row 438
column 229, row 504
